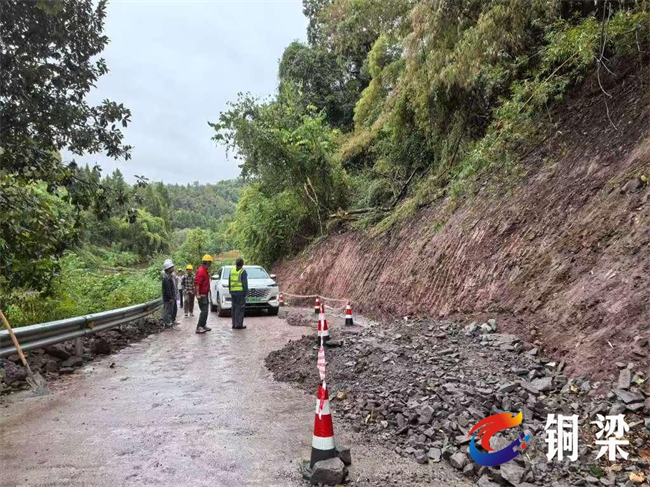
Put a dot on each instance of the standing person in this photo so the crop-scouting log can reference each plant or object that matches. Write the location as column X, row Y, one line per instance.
column 175, row 311
column 188, row 289
column 179, row 284
column 168, row 294
column 238, row 284
column 202, row 289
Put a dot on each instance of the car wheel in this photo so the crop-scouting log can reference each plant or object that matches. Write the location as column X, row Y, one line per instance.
column 222, row 313
column 273, row 311
column 213, row 307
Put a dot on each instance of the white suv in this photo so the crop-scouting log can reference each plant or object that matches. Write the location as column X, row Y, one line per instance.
column 263, row 292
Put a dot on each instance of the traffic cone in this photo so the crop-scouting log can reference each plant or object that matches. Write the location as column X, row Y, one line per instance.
column 323, row 328
column 322, row 443
column 281, row 299
column 317, row 306
column 348, row 315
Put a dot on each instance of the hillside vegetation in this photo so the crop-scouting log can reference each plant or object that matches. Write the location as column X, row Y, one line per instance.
column 393, row 106
column 114, row 259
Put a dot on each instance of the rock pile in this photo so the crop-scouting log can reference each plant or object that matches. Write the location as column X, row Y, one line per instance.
column 58, row 359
column 419, row 386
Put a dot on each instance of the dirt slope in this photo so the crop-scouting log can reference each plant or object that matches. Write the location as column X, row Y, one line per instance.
column 563, row 258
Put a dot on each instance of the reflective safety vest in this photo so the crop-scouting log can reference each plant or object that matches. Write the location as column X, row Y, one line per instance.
column 235, row 279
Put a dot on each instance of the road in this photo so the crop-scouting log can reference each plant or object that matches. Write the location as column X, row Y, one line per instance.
column 177, row 409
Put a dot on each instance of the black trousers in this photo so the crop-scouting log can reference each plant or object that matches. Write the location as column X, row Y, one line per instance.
column 238, row 307
column 204, row 306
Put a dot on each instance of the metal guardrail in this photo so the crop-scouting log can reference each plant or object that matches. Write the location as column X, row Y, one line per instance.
column 44, row 334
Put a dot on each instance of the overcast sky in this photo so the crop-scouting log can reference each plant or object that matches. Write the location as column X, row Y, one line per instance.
column 175, row 64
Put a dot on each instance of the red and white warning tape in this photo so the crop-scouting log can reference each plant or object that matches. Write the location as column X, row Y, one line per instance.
column 304, row 296
column 336, row 310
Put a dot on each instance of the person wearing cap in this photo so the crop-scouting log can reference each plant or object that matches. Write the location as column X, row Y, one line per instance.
column 202, row 289
column 168, row 294
column 188, row 288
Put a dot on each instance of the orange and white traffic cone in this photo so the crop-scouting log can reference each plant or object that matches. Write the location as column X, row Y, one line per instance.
column 322, row 443
column 317, row 306
column 348, row 315
column 323, row 328
column 281, row 299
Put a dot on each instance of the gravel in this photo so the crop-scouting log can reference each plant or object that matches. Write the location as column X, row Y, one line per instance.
column 418, row 386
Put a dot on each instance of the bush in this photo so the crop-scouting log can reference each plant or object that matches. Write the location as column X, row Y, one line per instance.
column 81, row 290
column 267, row 228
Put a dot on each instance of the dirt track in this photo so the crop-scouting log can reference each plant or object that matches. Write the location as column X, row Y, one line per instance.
column 180, row 409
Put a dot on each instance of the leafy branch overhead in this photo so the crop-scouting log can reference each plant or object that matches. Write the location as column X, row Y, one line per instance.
column 48, row 64
column 392, row 105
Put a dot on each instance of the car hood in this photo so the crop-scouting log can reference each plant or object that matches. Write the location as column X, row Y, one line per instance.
column 261, row 282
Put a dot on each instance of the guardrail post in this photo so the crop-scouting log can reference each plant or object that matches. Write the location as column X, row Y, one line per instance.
column 79, row 347
column 141, row 322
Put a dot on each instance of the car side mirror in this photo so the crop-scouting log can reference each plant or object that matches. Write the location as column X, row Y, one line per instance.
column 273, row 276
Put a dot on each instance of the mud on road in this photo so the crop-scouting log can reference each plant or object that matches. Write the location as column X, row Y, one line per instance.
column 180, row 409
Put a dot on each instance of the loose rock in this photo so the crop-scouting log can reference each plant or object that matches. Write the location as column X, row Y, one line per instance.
column 13, row 372
column 58, row 350
column 101, row 347
column 458, row 460
column 72, row 362
column 328, row 472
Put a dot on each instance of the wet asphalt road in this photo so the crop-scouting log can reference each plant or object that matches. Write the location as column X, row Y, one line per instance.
column 176, row 409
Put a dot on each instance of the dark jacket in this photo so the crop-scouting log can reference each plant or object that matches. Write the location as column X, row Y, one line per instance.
column 168, row 288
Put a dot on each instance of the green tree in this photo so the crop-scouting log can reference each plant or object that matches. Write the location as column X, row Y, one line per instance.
column 267, row 228
column 48, row 63
column 286, row 148
column 322, row 80
column 349, row 28
column 197, row 244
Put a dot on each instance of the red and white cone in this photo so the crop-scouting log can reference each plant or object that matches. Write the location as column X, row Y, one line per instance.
column 281, row 299
column 348, row 315
column 317, row 306
column 323, row 328
column 322, row 443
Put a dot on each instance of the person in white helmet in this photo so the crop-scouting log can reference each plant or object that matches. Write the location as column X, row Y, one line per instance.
column 168, row 294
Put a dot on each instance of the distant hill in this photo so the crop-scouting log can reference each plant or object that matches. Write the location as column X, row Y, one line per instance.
column 203, row 205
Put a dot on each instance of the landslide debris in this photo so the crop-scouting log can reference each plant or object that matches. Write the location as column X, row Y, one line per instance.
column 418, row 386
column 59, row 359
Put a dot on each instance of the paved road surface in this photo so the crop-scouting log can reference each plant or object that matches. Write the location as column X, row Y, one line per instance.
column 177, row 409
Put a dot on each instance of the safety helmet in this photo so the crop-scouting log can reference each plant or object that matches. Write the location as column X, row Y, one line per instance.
column 168, row 263
column 189, row 267
column 207, row 258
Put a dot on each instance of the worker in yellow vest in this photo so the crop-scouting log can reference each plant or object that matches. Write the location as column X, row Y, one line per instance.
column 238, row 285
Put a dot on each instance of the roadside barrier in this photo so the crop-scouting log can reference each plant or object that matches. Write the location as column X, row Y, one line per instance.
column 323, row 329
column 317, row 296
column 322, row 444
column 44, row 334
column 320, row 300
column 348, row 315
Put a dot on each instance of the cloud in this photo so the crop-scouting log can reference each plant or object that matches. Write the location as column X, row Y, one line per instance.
column 176, row 64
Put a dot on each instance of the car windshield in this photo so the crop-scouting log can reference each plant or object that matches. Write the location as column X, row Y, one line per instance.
column 251, row 272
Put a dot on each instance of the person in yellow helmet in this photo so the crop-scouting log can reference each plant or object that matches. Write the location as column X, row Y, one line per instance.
column 202, row 289
column 187, row 284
